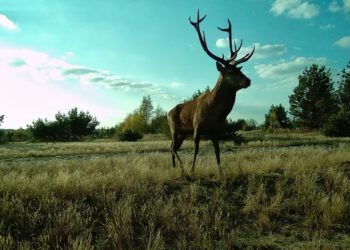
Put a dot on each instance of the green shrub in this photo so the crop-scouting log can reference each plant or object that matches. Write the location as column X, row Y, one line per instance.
column 19, row 135
column 3, row 136
column 338, row 124
column 72, row 127
column 129, row 135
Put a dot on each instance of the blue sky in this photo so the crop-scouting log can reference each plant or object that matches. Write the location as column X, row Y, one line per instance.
column 103, row 56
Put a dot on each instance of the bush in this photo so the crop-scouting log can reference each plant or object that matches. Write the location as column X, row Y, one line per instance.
column 3, row 136
column 277, row 118
column 20, row 135
column 129, row 135
column 338, row 124
column 105, row 133
column 72, row 127
column 229, row 131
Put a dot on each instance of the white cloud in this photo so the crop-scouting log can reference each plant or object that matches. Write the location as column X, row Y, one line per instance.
column 222, row 43
column 327, row 26
column 281, row 6
column 42, row 67
column 177, row 84
column 346, row 5
column 6, row 23
column 343, row 42
column 295, row 8
column 261, row 51
column 287, row 71
column 335, row 6
column 267, row 50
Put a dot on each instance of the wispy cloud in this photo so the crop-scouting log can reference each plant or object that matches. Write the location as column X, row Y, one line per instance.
column 261, row 51
column 300, row 9
column 286, row 72
column 346, row 5
column 108, row 79
column 42, row 67
column 336, row 6
column 327, row 26
column 222, row 43
column 79, row 71
column 6, row 23
column 177, row 84
column 267, row 50
column 343, row 42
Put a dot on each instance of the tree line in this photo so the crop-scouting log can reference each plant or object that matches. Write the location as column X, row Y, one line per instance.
column 318, row 102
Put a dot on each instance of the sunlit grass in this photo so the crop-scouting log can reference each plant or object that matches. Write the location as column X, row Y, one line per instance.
column 112, row 195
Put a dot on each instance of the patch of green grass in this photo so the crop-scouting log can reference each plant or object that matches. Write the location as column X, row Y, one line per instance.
column 274, row 198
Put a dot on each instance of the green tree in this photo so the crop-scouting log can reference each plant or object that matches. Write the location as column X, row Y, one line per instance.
column 344, row 88
column 74, row 126
column 339, row 122
column 133, row 122
column 19, row 135
column 132, row 128
column 40, row 129
column 81, row 123
column 62, row 127
column 251, row 124
column 159, row 122
column 145, row 119
column 197, row 94
column 277, row 118
column 105, row 132
column 3, row 134
column 146, row 110
column 313, row 100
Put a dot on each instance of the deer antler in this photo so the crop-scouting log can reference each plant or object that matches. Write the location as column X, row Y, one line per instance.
column 233, row 54
column 244, row 58
column 229, row 30
column 203, row 41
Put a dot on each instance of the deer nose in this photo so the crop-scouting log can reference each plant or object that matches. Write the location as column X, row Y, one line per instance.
column 248, row 82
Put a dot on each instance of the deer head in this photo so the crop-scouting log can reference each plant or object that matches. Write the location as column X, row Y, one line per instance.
column 228, row 68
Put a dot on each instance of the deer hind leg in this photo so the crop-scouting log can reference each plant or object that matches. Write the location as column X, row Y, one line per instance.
column 217, row 154
column 175, row 146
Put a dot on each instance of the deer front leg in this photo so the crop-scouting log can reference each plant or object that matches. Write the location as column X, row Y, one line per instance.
column 217, row 154
column 196, row 148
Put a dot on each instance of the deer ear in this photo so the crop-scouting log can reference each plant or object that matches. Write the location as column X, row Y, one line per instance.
column 219, row 66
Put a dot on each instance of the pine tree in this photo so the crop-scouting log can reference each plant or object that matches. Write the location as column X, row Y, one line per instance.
column 313, row 100
column 280, row 117
column 339, row 122
column 344, row 88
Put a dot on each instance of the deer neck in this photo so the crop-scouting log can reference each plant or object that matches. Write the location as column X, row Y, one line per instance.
column 223, row 97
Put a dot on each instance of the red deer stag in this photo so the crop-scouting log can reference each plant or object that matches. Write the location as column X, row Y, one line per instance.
column 206, row 115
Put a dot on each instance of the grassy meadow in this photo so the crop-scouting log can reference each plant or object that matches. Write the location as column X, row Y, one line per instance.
column 280, row 191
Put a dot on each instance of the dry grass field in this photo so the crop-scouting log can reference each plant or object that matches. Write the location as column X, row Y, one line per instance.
column 284, row 191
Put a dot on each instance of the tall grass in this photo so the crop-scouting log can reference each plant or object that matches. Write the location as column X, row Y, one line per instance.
column 282, row 198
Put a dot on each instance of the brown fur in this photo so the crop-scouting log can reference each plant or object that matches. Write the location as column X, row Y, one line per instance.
column 206, row 115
